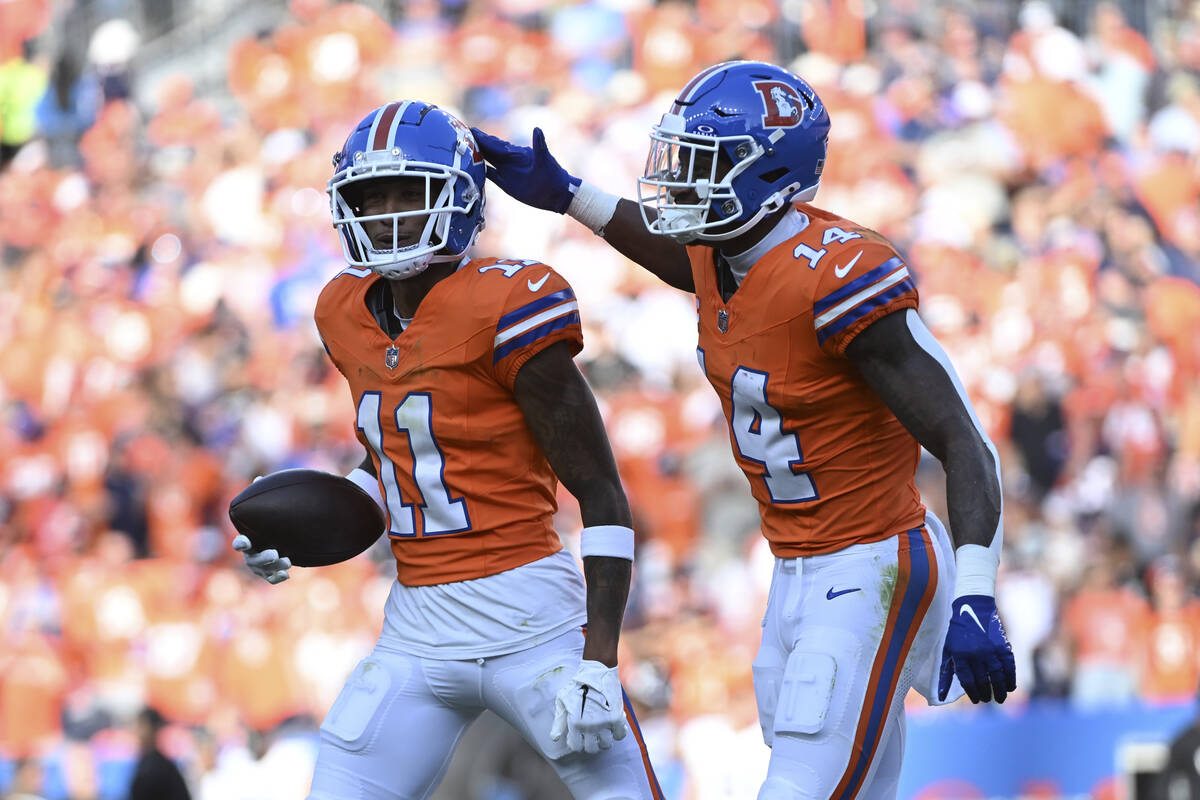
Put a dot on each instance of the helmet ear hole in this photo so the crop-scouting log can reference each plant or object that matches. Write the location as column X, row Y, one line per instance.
column 773, row 175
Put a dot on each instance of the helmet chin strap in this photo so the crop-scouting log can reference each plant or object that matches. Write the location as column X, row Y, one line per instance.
column 769, row 206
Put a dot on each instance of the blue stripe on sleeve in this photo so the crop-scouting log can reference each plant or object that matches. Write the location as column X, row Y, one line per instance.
column 532, row 336
column 529, row 309
column 859, row 283
column 864, row 308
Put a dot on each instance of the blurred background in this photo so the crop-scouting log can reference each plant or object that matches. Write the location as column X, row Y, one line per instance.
column 165, row 233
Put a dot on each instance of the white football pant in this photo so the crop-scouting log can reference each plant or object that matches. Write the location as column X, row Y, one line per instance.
column 392, row 731
column 845, row 636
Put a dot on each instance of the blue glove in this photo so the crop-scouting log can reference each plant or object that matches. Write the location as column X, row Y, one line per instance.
column 980, row 655
column 528, row 174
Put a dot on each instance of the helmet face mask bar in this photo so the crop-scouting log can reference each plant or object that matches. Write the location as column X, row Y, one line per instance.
column 435, row 154
column 690, row 185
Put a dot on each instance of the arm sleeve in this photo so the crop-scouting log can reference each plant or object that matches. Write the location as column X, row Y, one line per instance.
column 534, row 315
column 877, row 283
column 326, row 317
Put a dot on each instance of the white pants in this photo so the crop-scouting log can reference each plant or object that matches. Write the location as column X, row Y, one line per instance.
column 845, row 636
column 393, row 729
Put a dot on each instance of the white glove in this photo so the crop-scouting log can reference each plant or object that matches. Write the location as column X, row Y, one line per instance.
column 268, row 564
column 590, row 709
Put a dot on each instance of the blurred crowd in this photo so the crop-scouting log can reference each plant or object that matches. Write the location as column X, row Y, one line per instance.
column 160, row 261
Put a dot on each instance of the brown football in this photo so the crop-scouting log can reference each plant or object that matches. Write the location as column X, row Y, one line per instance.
column 314, row 518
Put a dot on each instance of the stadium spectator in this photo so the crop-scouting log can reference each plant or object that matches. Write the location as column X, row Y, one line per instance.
column 160, row 341
column 155, row 777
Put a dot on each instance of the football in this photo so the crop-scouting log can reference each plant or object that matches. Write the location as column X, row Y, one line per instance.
column 314, row 518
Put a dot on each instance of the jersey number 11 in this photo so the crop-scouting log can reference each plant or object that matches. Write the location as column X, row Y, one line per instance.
column 440, row 512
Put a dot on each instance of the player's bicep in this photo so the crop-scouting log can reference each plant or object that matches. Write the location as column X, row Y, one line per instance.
column 912, row 381
column 561, row 413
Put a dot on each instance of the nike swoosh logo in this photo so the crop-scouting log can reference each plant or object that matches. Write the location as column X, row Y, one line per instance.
column 841, row 272
column 832, row 594
column 583, row 701
column 970, row 612
column 533, row 287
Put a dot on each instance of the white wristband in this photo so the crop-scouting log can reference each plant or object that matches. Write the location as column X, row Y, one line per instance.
column 367, row 482
column 593, row 207
column 614, row 541
column 976, row 573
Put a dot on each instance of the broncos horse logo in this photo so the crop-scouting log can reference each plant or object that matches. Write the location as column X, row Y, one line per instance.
column 782, row 104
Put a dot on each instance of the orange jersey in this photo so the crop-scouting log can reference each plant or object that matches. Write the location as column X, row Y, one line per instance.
column 468, row 491
column 828, row 462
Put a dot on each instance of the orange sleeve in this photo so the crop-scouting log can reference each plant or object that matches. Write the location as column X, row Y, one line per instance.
column 856, row 285
column 330, row 317
column 539, row 309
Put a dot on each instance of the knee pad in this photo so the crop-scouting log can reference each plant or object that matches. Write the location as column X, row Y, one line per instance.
column 805, row 692
column 349, row 723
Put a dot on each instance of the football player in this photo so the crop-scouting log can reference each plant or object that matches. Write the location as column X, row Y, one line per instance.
column 470, row 407
column 831, row 384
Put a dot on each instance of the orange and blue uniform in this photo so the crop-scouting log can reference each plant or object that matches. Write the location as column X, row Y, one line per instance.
column 468, row 491
column 860, row 597
column 828, row 462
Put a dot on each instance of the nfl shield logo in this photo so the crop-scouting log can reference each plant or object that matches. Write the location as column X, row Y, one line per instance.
column 722, row 320
column 392, row 357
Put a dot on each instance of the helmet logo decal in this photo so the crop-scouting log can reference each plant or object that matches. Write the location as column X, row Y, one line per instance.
column 466, row 138
column 707, row 130
column 781, row 104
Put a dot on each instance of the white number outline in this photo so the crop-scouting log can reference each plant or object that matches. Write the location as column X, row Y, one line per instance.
column 742, row 402
column 434, row 505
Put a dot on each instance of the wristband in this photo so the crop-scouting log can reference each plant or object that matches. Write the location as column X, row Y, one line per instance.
column 614, row 541
column 367, row 482
column 976, row 573
column 593, row 207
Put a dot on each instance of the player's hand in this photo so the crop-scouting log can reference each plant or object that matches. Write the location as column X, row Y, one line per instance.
column 528, row 174
column 268, row 564
column 977, row 650
column 590, row 709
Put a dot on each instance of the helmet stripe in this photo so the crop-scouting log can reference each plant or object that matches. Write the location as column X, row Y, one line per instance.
column 381, row 129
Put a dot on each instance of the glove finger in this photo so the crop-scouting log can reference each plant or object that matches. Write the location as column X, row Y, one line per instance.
column 494, row 175
column 605, row 737
column 621, row 731
column 946, row 675
column 979, row 676
column 966, row 679
column 1009, row 662
column 491, row 146
column 263, row 558
column 539, row 145
column 591, row 743
column 560, row 721
column 277, row 577
column 997, row 680
column 241, row 542
column 574, row 740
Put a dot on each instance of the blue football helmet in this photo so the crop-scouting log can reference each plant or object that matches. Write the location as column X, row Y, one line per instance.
column 409, row 139
column 742, row 139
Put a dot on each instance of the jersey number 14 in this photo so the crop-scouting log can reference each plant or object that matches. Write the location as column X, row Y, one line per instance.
column 758, row 430
column 440, row 512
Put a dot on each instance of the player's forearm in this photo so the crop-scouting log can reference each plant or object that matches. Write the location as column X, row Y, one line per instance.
column 607, row 591
column 626, row 232
column 972, row 492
